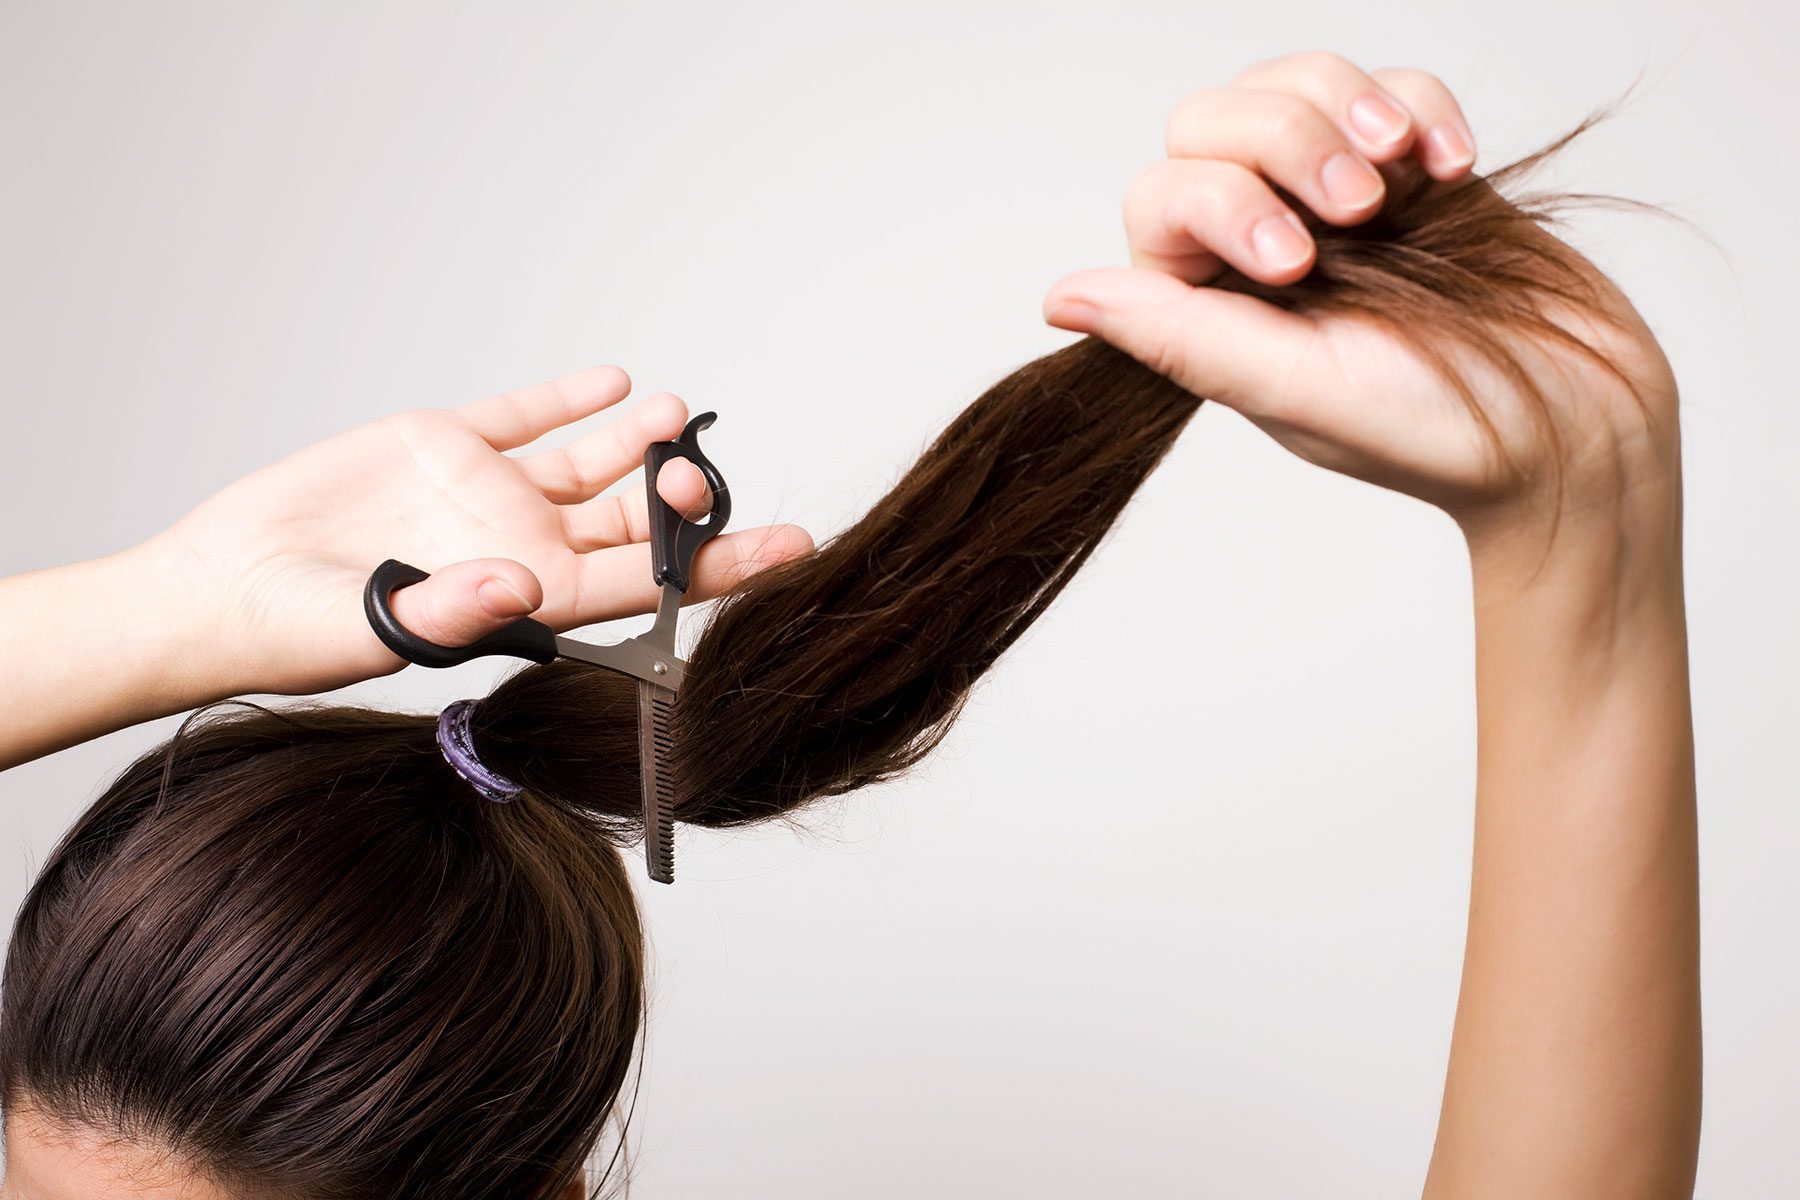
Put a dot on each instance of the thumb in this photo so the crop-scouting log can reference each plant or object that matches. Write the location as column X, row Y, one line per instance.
column 466, row 601
column 1220, row 345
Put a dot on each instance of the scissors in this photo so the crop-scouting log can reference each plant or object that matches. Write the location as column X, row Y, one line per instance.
column 649, row 657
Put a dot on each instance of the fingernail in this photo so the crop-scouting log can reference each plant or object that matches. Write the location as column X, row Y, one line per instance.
column 1076, row 315
column 1451, row 145
column 1376, row 118
column 1350, row 182
column 500, row 599
column 1280, row 241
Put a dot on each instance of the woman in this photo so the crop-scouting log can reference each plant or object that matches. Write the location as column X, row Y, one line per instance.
column 290, row 956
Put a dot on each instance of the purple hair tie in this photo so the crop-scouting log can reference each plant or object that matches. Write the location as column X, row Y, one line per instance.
column 458, row 745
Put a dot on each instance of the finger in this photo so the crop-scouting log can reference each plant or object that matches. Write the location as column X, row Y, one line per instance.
column 1221, row 345
column 466, row 601
column 514, row 419
column 1376, row 120
column 683, row 488
column 594, row 462
column 615, row 582
column 1187, row 216
column 1446, row 147
column 733, row 558
column 616, row 520
column 1284, row 138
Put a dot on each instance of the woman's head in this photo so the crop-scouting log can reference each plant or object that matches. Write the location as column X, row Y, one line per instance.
column 293, row 954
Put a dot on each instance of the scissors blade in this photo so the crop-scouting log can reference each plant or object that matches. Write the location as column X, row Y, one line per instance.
column 649, row 657
column 655, row 739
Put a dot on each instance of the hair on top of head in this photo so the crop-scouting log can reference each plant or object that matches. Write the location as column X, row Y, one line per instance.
column 295, row 947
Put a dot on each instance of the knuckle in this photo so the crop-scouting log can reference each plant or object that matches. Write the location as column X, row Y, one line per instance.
column 1210, row 197
column 564, row 400
column 1146, row 188
column 410, row 422
column 633, row 521
column 434, row 620
column 515, row 405
column 1321, row 62
column 1410, row 82
column 1289, row 64
column 1186, row 213
column 1166, row 348
column 414, row 426
column 1188, row 198
column 1255, row 71
column 1326, row 63
column 1237, row 189
column 583, row 477
column 1187, row 111
column 1290, row 120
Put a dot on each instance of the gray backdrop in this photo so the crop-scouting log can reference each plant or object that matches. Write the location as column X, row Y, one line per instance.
column 1197, row 936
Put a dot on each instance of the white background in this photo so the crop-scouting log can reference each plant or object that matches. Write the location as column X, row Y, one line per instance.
column 1179, row 907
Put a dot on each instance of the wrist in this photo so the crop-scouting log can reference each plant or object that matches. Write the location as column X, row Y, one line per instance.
column 99, row 645
column 172, row 635
column 1617, row 527
column 1579, row 592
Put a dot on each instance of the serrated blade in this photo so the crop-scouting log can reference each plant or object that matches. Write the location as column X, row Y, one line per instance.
column 655, row 741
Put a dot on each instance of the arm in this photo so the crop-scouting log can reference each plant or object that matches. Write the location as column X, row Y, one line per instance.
column 95, row 646
column 1575, row 1062
column 259, row 589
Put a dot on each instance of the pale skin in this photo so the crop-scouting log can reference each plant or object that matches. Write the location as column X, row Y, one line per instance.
column 1575, row 1060
column 259, row 588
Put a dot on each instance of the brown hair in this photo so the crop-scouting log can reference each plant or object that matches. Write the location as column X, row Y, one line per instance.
column 294, row 948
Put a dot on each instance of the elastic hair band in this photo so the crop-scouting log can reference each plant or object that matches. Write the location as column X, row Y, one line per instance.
column 458, row 745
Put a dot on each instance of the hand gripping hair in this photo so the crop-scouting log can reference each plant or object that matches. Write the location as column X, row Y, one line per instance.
column 297, row 950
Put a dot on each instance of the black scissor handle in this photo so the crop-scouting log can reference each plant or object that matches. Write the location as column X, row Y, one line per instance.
column 674, row 539
column 524, row 638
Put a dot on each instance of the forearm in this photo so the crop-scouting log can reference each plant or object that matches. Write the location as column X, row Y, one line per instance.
column 1575, row 1062
column 96, row 646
